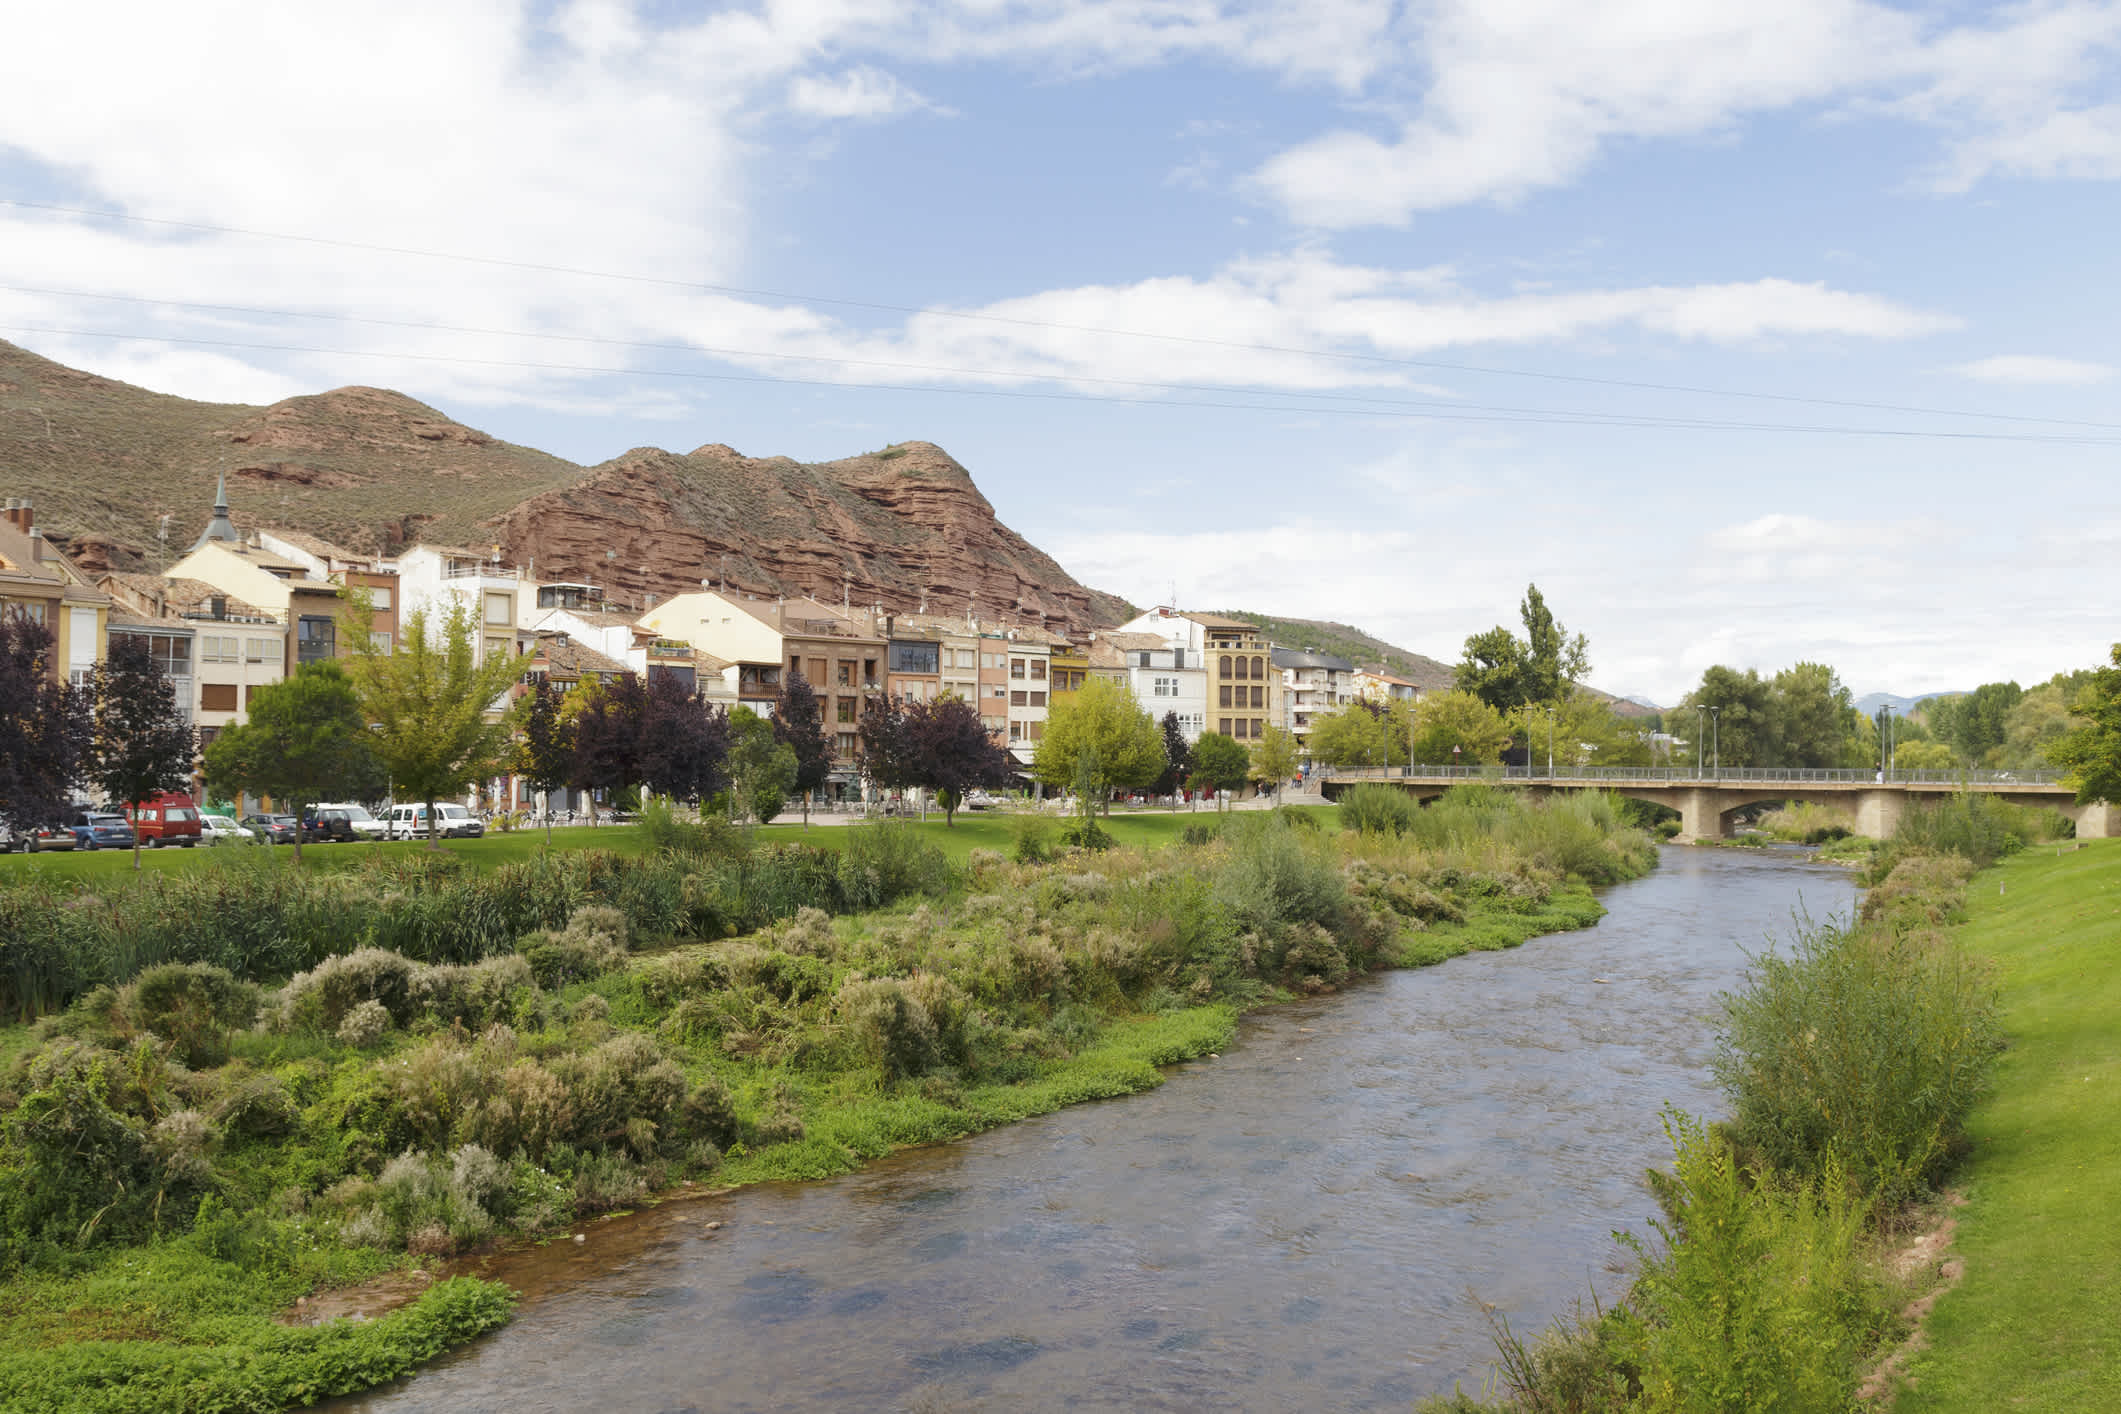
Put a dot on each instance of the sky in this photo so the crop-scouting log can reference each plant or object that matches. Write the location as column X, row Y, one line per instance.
column 1750, row 333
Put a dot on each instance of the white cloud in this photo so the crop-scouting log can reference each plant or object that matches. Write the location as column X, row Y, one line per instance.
column 861, row 93
column 2035, row 368
column 1518, row 95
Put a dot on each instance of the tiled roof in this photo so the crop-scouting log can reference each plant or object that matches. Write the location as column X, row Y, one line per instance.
column 178, row 595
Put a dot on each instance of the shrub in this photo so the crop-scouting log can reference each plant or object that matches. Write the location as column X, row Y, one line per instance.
column 194, row 1006
column 477, row 994
column 1032, row 838
column 886, row 861
column 1861, row 1050
column 1273, row 877
column 1083, row 832
column 320, row 998
column 895, row 1028
column 365, row 1025
column 1378, row 810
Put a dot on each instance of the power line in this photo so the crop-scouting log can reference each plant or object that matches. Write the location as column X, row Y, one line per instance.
column 705, row 287
column 1444, row 413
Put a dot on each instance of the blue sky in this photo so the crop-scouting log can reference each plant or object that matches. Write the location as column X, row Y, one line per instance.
column 1411, row 253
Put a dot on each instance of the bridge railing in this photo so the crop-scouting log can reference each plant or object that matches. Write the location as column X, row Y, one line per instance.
column 1681, row 775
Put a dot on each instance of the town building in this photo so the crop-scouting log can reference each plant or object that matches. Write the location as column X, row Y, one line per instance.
column 40, row 584
column 1312, row 686
column 1377, row 683
column 437, row 579
column 1243, row 694
column 1164, row 675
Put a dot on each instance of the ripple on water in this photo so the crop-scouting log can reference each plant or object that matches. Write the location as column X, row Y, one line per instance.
column 776, row 1296
column 941, row 1247
column 984, row 1357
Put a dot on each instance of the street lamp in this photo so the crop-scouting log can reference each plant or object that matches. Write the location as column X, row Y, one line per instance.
column 1716, row 746
column 1700, row 739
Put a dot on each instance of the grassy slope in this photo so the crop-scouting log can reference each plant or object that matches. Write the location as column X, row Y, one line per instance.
column 2036, row 1324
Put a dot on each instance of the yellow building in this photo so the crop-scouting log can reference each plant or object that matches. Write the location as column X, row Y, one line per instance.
column 39, row 584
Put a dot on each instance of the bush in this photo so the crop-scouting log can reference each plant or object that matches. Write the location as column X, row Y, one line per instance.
column 365, row 1025
column 320, row 998
column 1083, row 832
column 1032, row 834
column 1861, row 1051
column 886, row 861
column 194, row 1006
column 594, row 942
column 1378, row 810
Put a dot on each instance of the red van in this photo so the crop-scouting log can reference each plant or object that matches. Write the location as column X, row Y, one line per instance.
column 170, row 819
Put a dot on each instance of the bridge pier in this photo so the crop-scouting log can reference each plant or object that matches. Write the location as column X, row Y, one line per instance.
column 1700, row 815
column 1878, row 813
column 2099, row 820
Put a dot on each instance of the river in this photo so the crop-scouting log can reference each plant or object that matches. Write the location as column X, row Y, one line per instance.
column 1305, row 1222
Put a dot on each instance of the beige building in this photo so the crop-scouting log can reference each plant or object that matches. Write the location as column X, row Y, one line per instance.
column 1377, row 683
column 39, row 584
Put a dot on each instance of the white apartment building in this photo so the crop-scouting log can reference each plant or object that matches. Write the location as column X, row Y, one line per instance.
column 1312, row 685
column 1165, row 653
column 437, row 578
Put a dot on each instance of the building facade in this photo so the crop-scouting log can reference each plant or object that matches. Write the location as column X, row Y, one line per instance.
column 1312, row 686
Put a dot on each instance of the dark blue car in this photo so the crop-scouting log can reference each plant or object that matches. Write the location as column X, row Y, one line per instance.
column 100, row 829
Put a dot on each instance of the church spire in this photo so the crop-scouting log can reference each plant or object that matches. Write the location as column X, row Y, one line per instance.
column 220, row 527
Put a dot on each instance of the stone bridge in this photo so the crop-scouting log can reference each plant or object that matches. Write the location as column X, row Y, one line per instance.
column 1870, row 801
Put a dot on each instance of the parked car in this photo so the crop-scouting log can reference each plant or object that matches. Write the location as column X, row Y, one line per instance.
column 409, row 822
column 273, row 829
column 47, row 837
column 220, row 829
column 327, row 824
column 167, row 819
column 365, row 826
column 100, row 829
column 980, row 800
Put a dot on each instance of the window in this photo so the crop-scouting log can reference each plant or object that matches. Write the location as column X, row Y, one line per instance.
column 499, row 610
column 1222, row 698
column 379, row 598
column 816, row 675
column 213, row 648
column 1037, row 730
column 1225, row 666
column 263, row 650
column 33, row 610
column 916, row 658
column 217, row 697
column 869, row 672
column 250, row 695
column 1167, row 687
column 966, row 658
column 843, row 710
column 1016, row 667
column 1038, row 699
column 1000, row 691
column 315, row 640
column 846, row 746
column 1016, row 698
column 379, row 640
column 207, row 735
column 1222, row 724
column 1259, row 697
column 498, row 647
column 846, row 673
column 1016, row 731
column 1259, row 667
column 795, row 667
column 1038, row 669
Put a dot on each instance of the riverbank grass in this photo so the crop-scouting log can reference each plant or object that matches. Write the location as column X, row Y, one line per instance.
column 2036, row 1322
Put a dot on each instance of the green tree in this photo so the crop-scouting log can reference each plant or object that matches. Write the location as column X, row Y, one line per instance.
column 45, row 728
column 2091, row 752
column 1813, row 720
column 142, row 744
column 1101, row 725
column 1508, row 672
column 305, row 739
column 1457, row 728
column 1177, row 756
column 438, row 721
column 1923, row 756
column 1358, row 735
column 1220, row 762
column 1976, row 723
column 545, row 749
column 761, row 768
column 1583, row 730
column 948, row 749
column 2040, row 719
column 1274, row 758
column 1732, row 714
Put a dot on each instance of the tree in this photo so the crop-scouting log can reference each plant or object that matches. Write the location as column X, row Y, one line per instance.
column 1219, row 762
column 607, row 737
column 799, row 725
column 1274, row 758
column 1813, row 720
column 305, row 738
column 948, row 749
column 1583, row 730
column 142, row 744
column 1507, row 672
column 1457, row 728
column 1101, row 725
column 683, row 744
column 883, row 751
column 2040, row 719
column 761, row 769
column 1358, row 735
column 45, row 728
column 2091, row 753
column 1733, row 715
column 545, row 748
column 432, row 707
column 1177, row 755
column 1976, row 723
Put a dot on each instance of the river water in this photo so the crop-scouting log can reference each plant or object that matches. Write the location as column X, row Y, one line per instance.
column 1305, row 1222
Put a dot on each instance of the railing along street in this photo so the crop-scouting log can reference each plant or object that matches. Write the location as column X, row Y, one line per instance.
column 1684, row 775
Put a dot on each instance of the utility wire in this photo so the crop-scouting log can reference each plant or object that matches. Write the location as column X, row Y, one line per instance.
column 973, row 316
column 1444, row 413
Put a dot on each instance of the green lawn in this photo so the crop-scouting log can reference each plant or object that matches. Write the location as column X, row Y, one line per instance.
column 2036, row 1323
column 1146, row 829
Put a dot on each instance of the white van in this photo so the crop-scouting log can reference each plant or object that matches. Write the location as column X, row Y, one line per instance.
column 409, row 822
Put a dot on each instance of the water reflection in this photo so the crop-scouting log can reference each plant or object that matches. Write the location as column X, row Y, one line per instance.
column 1302, row 1223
